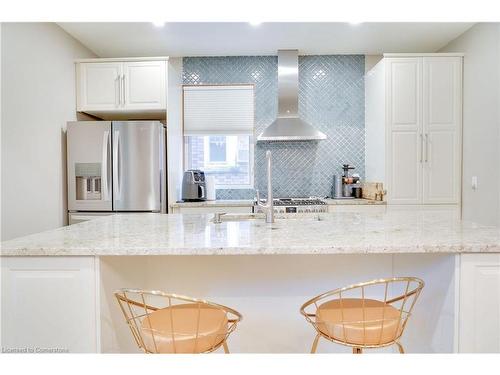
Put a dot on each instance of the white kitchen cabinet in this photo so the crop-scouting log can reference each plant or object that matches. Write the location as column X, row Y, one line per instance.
column 50, row 303
column 479, row 311
column 404, row 77
column 99, row 86
column 405, row 184
column 122, row 89
column 144, row 85
column 442, row 119
column 422, row 123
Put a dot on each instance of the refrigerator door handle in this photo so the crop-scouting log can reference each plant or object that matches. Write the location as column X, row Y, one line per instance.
column 426, row 147
column 421, row 148
column 105, row 166
column 116, row 164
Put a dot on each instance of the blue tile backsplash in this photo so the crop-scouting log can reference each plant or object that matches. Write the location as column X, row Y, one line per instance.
column 331, row 98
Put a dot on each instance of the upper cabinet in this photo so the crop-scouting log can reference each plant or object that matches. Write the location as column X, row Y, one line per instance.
column 122, row 89
column 144, row 85
column 99, row 86
column 421, row 126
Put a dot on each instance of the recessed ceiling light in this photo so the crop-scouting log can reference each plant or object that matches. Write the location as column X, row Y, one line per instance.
column 355, row 23
column 255, row 23
column 159, row 23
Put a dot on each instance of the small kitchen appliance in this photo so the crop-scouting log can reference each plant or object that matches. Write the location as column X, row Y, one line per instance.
column 194, row 186
column 349, row 182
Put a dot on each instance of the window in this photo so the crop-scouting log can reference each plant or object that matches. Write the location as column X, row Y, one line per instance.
column 217, row 150
column 218, row 124
column 229, row 158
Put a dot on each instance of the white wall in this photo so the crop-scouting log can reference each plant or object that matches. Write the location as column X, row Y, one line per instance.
column 481, row 121
column 371, row 61
column 375, row 123
column 175, row 139
column 38, row 97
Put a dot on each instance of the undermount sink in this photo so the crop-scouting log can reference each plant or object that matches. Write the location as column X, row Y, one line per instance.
column 262, row 216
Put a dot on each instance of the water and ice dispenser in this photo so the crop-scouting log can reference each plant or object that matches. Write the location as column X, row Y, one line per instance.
column 88, row 181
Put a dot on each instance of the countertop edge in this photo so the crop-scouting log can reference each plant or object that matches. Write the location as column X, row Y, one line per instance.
column 488, row 249
column 250, row 203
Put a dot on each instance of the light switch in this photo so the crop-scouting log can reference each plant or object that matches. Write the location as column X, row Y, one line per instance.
column 474, row 182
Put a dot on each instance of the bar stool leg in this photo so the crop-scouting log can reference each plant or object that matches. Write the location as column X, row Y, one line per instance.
column 315, row 344
column 226, row 349
column 357, row 351
column 400, row 347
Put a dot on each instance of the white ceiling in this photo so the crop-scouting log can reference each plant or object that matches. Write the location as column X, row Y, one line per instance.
column 122, row 39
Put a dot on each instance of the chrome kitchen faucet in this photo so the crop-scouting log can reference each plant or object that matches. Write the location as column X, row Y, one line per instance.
column 267, row 208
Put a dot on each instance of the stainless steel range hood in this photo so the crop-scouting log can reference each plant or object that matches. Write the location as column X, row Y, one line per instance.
column 289, row 126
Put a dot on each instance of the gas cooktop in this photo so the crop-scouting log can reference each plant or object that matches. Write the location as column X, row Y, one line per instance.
column 311, row 201
column 298, row 205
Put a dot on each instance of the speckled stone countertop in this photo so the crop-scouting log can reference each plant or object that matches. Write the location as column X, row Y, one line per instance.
column 249, row 203
column 393, row 231
column 353, row 201
column 216, row 203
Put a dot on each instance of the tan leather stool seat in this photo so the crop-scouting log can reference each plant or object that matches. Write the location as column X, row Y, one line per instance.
column 182, row 319
column 381, row 321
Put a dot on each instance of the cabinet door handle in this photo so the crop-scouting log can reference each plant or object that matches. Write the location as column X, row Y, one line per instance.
column 421, row 147
column 426, row 148
column 123, row 89
column 117, row 91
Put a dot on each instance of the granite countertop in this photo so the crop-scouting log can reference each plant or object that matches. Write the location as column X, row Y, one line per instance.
column 353, row 201
column 216, row 203
column 392, row 231
column 249, row 203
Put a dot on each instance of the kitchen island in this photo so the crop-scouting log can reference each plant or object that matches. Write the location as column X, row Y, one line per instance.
column 264, row 270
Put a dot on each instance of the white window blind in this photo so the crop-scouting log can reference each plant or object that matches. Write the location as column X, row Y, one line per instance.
column 218, row 110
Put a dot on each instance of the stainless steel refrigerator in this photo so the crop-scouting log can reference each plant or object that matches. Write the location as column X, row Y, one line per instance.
column 115, row 166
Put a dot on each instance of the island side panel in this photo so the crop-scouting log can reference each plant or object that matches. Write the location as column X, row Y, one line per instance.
column 50, row 303
column 269, row 290
column 479, row 321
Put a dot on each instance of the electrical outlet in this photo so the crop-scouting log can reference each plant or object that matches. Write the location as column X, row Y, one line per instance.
column 474, row 182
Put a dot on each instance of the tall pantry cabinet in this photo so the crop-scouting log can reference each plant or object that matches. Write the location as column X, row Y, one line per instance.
column 414, row 114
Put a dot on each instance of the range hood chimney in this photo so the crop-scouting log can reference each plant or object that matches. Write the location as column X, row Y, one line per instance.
column 289, row 126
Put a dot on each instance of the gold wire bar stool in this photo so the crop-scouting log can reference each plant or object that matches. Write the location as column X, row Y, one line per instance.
column 356, row 316
column 171, row 323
